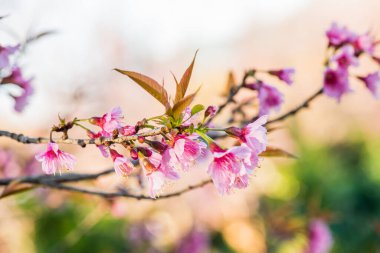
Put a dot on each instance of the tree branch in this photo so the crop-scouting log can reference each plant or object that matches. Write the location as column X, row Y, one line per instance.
column 56, row 182
column 123, row 193
column 305, row 104
column 65, row 178
column 231, row 96
column 81, row 142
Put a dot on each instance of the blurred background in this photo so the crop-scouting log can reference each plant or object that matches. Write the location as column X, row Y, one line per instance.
column 335, row 178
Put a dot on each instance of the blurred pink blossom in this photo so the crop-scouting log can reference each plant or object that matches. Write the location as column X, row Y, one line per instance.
column 320, row 238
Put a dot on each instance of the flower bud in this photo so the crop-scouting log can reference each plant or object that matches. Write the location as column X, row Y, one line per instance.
column 159, row 146
column 211, row 111
column 134, row 154
column 141, row 139
column 233, row 131
column 145, row 151
column 95, row 120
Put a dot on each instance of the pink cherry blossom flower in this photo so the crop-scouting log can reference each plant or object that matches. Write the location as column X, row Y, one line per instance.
column 128, row 130
column 270, row 99
column 188, row 149
column 230, row 168
column 5, row 53
column 285, row 75
column 54, row 159
column 364, row 43
column 320, row 238
column 17, row 78
column 336, row 83
column 103, row 149
column 338, row 35
column 109, row 121
column 22, row 101
column 254, row 135
column 189, row 119
column 372, row 82
column 122, row 165
column 346, row 57
column 158, row 169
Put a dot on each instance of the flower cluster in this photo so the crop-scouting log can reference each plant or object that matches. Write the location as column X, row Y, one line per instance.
column 10, row 73
column 345, row 48
column 179, row 149
column 269, row 97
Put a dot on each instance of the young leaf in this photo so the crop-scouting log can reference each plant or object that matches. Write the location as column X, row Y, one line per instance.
column 181, row 87
column 277, row 152
column 150, row 85
column 196, row 108
column 231, row 82
column 181, row 105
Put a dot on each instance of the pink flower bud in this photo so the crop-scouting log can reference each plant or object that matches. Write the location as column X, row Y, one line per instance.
column 285, row 75
column 134, row 154
column 234, row 131
column 145, row 151
column 141, row 139
column 159, row 146
column 211, row 111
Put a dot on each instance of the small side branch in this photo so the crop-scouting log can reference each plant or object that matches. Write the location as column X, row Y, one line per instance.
column 125, row 194
column 293, row 112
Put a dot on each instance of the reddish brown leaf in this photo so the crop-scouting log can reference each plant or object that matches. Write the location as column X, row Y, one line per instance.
column 231, row 82
column 181, row 105
column 181, row 88
column 276, row 152
column 150, row 85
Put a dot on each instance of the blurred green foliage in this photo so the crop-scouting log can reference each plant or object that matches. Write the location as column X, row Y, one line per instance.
column 339, row 183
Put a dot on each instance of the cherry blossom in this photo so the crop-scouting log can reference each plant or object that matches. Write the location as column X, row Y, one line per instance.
column 372, row 82
column 54, row 159
column 122, row 165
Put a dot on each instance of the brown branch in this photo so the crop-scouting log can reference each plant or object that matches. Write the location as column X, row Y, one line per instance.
column 56, row 182
column 123, row 193
column 231, row 97
column 305, row 104
column 65, row 178
column 81, row 142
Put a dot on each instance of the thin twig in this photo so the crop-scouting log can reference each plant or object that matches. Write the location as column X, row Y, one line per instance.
column 125, row 194
column 305, row 104
column 56, row 182
column 231, row 96
column 64, row 178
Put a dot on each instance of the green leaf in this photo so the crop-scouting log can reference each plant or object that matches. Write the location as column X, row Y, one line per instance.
column 181, row 87
column 181, row 105
column 196, row 108
column 150, row 85
column 276, row 152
